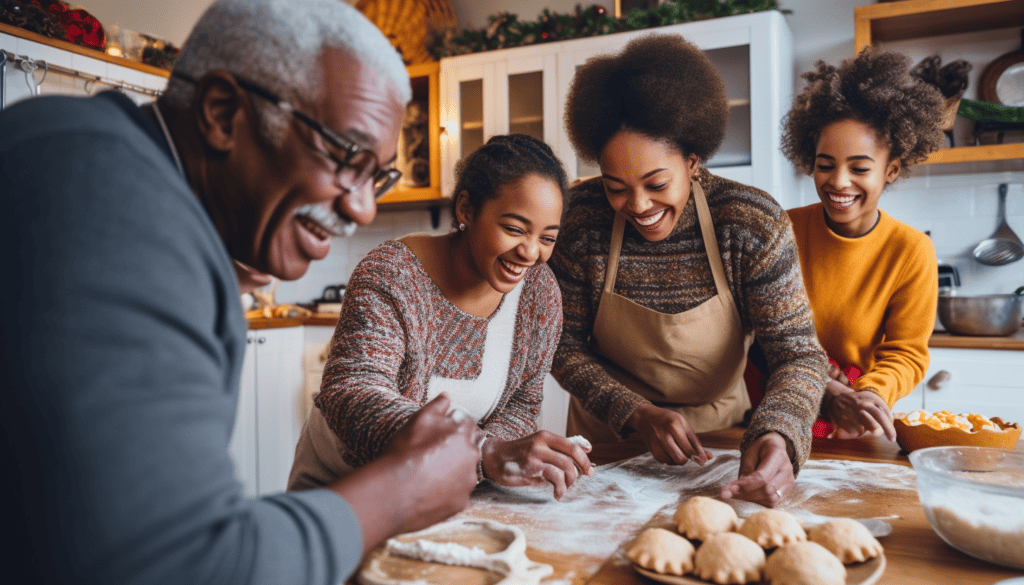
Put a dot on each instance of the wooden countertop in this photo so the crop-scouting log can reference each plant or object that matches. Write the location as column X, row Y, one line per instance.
column 914, row 552
column 945, row 340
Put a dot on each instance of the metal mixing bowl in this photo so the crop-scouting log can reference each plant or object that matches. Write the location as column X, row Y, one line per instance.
column 981, row 315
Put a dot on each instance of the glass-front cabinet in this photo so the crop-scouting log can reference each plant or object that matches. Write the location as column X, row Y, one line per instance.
column 525, row 89
column 419, row 156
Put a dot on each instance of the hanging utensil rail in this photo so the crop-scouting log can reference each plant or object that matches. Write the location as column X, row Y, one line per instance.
column 27, row 63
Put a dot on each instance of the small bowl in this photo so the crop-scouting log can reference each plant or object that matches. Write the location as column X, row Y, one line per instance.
column 986, row 315
column 973, row 498
column 913, row 437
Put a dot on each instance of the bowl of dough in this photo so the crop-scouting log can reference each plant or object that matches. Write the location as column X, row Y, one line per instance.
column 974, row 500
column 710, row 544
column 920, row 429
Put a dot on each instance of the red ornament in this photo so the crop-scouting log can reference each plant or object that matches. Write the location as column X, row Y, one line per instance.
column 600, row 10
column 83, row 29
column 544, row 35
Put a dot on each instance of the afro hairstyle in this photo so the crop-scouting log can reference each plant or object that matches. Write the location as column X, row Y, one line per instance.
column 877, row 89
column 661, row 86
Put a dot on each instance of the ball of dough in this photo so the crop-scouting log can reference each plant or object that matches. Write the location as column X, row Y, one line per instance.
column 700, row 516
column 804, row 563
column 847, row 539
column 728, row 557
column 772, row 528
column 662, row 551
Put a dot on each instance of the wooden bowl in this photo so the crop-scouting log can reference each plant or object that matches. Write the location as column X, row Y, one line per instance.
column 913, row 437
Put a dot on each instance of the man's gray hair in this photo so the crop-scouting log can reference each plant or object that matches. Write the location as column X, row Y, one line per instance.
column 278, row 44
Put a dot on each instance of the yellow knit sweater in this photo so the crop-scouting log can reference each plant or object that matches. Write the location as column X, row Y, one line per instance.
column 873, row 298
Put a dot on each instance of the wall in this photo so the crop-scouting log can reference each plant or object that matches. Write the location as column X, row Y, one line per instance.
column 955, row 203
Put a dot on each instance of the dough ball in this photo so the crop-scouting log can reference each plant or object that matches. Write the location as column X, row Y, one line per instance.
column 728, row 557
column 662, row 551
column 772, row 528
column 804, row 563
column 700, row 516
column 847, row 539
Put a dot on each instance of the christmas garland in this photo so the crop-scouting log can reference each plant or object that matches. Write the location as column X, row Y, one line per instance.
column 506, row 30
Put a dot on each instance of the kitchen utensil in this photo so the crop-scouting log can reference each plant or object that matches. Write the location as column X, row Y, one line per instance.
column 1003, row 246
column 974, row 499
column 988, row 315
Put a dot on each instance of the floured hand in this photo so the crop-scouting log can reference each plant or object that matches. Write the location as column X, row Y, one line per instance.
column 537, row 459
column 766, row 473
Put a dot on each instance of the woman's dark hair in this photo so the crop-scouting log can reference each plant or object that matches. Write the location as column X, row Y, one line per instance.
column 876, row 89
column 661, row 86
column 504, row 159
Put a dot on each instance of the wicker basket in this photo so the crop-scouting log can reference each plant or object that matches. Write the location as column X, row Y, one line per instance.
column 409, row 23
column 949, row 109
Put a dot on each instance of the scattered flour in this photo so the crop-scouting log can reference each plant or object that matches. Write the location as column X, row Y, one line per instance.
column 447, row 553
column 581, row 441
column 599, row 513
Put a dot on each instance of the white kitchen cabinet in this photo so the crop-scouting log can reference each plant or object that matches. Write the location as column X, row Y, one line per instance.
column 986, row 382
column 271, row 410
column 496, row 92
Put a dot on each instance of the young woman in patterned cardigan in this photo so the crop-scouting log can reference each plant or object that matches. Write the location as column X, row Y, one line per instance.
column 668, row 271
column 475, row 314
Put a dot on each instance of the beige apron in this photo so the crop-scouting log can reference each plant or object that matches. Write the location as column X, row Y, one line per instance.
column 690, row 362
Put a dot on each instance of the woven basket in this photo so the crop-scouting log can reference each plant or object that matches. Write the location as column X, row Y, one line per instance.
column 949, row 109
column 410, row 23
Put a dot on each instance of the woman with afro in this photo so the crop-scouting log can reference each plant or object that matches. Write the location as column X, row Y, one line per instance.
column 667, row 273
column 872, row 280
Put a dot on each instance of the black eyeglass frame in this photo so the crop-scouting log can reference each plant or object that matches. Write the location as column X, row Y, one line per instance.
column 383, row 179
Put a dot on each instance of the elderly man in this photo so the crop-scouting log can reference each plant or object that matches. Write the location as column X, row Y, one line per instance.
column 123, row 334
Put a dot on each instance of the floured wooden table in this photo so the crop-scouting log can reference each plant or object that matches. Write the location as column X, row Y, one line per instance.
column 583, row 536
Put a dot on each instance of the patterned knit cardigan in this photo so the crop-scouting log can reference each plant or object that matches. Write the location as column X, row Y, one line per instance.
column 396, row 330
column 671, row 276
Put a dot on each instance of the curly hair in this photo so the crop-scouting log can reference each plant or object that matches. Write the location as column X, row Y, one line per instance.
column 876, row 89
column 661, row 86
column 504, row 159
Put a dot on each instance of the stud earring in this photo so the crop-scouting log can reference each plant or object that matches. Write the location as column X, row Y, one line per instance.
column 462, row 227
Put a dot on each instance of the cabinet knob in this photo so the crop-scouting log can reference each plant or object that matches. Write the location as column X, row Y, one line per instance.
column 261, row 340
column 939, row 380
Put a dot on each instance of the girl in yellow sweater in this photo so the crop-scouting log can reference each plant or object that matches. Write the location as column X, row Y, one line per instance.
column 872, row 280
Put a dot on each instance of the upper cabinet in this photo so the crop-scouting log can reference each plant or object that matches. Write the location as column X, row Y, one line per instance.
column 919, row 19
column 524, row 89
column 419, row 156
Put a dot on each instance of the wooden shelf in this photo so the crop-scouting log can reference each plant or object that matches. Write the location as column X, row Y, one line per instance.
column 80, row 50
column 914, row 19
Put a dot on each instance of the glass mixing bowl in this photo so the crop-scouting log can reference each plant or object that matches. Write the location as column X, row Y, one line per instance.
column 974, row 499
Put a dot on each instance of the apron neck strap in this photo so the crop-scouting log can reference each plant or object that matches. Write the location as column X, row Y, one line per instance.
column 707, row 230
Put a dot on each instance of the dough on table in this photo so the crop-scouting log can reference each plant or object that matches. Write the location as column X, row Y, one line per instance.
column 804, row 563
column 772, row 528
column 847, row 539
column 728, row 557
column 701, row 516
column 662, row 551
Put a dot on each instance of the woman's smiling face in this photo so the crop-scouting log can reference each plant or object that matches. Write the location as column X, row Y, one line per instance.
column 851, row 168
column 647, row 181
column 514, row 230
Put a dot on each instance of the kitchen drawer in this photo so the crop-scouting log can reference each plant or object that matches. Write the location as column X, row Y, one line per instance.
column 986, row 382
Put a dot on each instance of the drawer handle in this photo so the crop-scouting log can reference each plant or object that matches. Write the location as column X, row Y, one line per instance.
column 939, row 380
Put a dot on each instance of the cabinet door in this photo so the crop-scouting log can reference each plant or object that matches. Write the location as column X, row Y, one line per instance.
column 280, row 404
column 242, row 446
column 985, row 382
column 467, row 111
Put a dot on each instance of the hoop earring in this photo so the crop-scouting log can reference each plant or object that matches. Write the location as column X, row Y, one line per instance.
column 462, row 227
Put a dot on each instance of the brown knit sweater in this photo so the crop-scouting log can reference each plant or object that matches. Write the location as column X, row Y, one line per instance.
column 671, row 276
column 396, row 330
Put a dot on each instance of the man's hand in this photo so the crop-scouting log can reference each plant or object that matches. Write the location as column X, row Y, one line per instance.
column 857, row 414
column 766, row 474
column 667, row 434
column 540, row 458
column 423, row 476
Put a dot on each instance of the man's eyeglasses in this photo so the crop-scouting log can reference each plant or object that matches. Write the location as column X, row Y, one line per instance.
column 361, row 161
